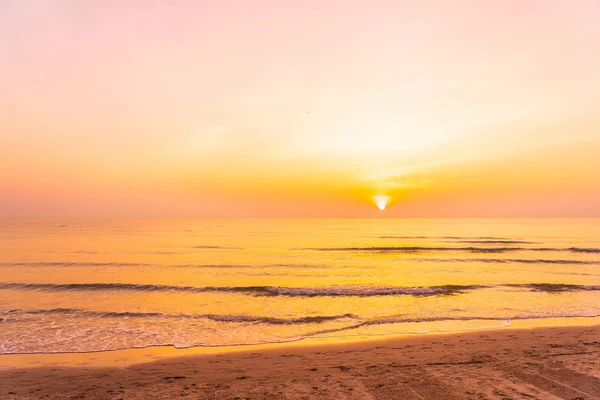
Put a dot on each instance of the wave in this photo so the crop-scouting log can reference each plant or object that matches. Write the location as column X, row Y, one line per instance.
column 512, row 260
column 119, row 264
column 555, row 287
column 376, row 291
column 584, row 250
column 494, row 242
column 314, row 334
column 208, row 247
column 300, row 329
column 74, row 264
column 336, row 291
column 472, row 249
column 535, row 261
column 52, row 287
column 316, row 319
column 403, row 320
column 465, row 239
column 415, row 249
column 164, row 252
column 446, row 237
column 252, row 290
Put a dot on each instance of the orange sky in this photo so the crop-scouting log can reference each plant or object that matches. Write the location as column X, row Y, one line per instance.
column 299, row 108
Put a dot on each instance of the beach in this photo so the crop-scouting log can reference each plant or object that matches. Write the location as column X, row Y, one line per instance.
column 311, row 200
column 302, row 309
column 539, row 363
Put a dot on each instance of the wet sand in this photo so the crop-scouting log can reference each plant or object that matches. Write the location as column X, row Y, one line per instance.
column 541, row 363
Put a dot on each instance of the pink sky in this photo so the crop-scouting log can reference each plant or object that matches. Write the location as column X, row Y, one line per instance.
column 306, row 108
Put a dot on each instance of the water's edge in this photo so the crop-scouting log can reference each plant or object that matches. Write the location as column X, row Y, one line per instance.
column 127, row 357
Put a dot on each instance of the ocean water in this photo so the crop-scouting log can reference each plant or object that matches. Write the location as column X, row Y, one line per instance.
column 94, row 285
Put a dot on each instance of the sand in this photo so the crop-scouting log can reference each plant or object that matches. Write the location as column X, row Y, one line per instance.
column 542, row 363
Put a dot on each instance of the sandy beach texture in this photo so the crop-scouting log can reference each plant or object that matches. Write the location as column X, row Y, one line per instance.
column 542, row 363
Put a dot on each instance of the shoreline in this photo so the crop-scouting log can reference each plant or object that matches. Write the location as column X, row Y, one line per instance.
column 538, row 362
column 137, row 355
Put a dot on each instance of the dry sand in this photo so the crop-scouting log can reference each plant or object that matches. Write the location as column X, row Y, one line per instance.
column 543, row 363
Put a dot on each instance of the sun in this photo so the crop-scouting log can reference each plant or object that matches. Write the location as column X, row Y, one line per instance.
column 381, row 202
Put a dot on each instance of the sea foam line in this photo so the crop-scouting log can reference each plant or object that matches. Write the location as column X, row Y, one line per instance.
column 252, row 290
column 359, row 291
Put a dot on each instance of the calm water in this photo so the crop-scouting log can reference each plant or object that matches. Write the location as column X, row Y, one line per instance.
column 88, row 285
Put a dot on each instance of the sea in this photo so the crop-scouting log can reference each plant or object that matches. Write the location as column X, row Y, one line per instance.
column 82, row 285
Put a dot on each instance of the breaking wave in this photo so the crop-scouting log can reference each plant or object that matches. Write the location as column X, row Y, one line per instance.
column 218, row 318
column 252, row 290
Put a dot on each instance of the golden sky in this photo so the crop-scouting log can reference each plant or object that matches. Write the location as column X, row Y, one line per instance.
column 299, row 108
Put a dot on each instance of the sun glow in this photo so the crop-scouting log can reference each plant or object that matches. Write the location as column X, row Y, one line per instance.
column 381, row 201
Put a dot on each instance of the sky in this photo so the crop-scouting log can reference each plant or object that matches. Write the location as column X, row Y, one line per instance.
column 260, row 108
